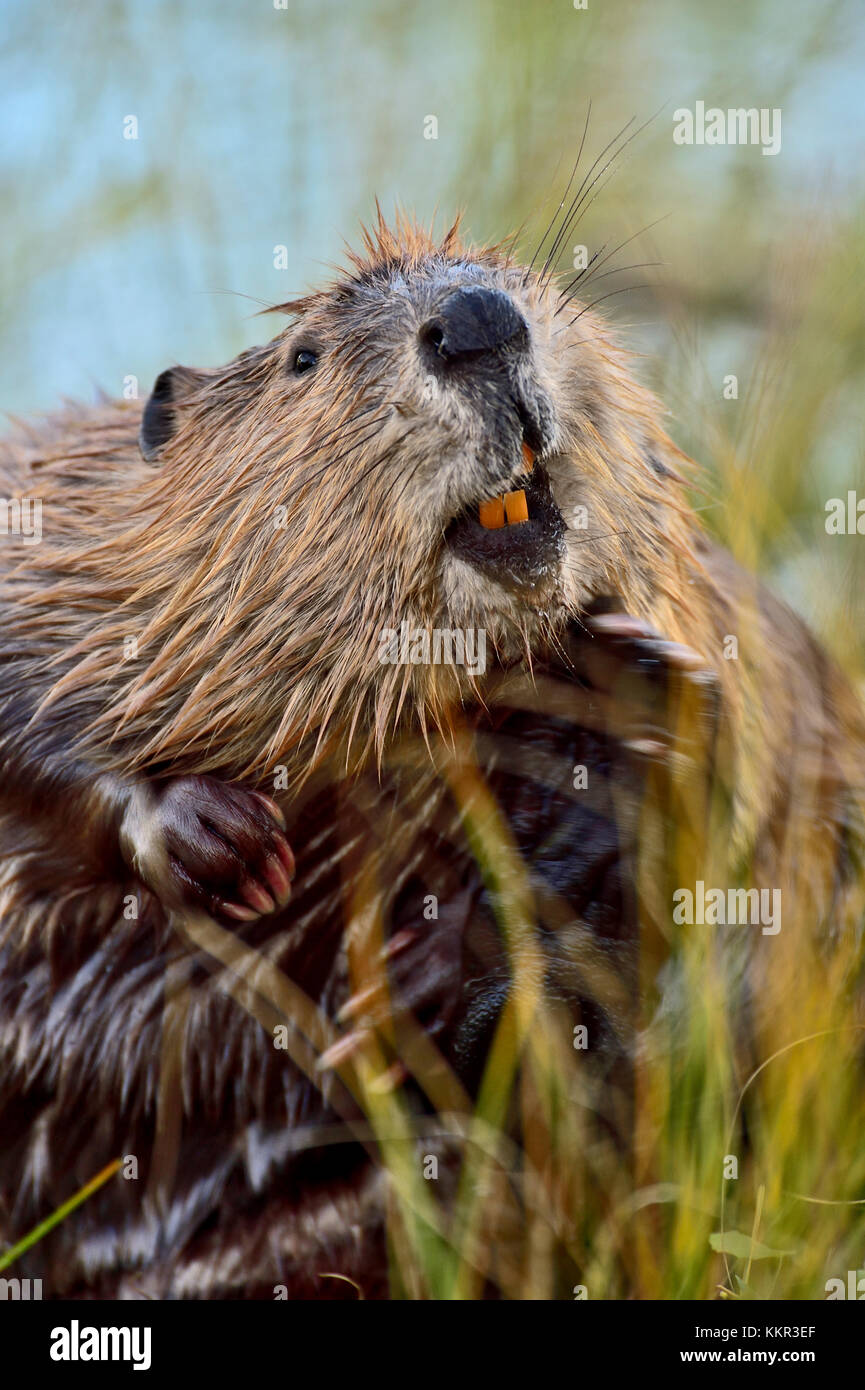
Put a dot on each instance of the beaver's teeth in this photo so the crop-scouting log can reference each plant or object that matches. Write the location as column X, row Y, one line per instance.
column 509, row 510
column 516, row 507
column 491, row 514
column 529, row 456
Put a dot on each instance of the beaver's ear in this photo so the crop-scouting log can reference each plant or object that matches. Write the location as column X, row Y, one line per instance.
column 159, row 420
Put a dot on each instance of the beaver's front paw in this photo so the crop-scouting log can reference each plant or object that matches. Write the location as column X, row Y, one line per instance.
column 662, row 699
column 419, row 976
column 204, row 843
column 423, row 979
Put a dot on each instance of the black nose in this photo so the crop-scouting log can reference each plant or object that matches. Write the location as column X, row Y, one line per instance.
column 474, row 320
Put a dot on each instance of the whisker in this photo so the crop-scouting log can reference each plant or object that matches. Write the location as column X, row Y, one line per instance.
column 622, row 244
column 376, row 463
column 576, row 212
column 367, row 425
column 563, row 230
column 552, row 223
column 617, row 270
column 410, row 477
column 622, row 290
column 238, row 294
column 600, row 536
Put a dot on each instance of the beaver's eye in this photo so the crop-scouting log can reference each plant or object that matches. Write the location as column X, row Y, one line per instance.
column 304, row 360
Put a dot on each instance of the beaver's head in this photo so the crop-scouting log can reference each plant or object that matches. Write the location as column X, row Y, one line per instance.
column 441, row 441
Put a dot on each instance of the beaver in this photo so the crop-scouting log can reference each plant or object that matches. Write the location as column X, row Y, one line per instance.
column 241, row 794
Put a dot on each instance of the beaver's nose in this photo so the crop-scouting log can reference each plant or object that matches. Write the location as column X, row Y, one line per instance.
column 474, row 319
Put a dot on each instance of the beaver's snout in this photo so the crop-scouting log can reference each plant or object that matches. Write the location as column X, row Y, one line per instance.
column 473, row 320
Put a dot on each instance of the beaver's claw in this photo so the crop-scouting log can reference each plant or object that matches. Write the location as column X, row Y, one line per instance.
column 420, row 975
column 643, row 679
column 208, row 844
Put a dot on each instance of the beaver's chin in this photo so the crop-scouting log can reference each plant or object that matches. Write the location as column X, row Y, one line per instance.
column 522, row 557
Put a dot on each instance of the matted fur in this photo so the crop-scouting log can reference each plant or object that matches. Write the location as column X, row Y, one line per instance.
column 257, row 628
column 218, row 610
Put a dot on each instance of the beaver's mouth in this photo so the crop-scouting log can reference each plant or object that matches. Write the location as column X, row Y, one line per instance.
column 516, row 538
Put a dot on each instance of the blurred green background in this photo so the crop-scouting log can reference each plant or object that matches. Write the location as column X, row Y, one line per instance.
column 261, row 127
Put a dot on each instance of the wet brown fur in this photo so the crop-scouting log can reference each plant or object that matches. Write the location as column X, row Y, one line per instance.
column 256, row 649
